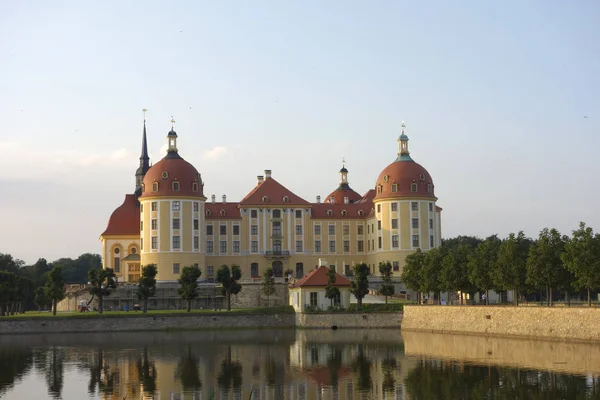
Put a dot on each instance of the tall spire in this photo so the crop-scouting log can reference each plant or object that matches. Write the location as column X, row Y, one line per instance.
column 144, row 161
column 403, row 153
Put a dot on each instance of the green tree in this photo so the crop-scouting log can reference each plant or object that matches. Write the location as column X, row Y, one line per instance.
column 188, row 371
column 430, row 274
column 147, row 285
column 412, row 275
column 332, row 292
column 582, row 259
column 360, row 283
column 268, row 284
column 481, row 262
column 102, row 282
column 147, row 373
column 189, row 284
column 387, row 287
column 10, row 264
column 511, row 266
column 40, row 298
column 544, row 263
column 55, row 287
column 229, row 280
column 8, row 291
column 454, row 273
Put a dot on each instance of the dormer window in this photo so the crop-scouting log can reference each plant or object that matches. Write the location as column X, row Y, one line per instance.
column 344, row 213
column 176, row 186
column 413, row 187
column 208, row 213
column 143, row 188
column 165, row 175
column 379, row 188
column 429, row 188
column 286, row 199
column 386, row 178
column 155, row 187
column 265, row 199
column 361, row 213
column 195, row 186
column 394, row 187
column 329, row 213
column 422, row 177
column 222, row 212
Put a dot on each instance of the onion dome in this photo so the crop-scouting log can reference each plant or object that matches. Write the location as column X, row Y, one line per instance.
column 344, row 193
column 172, row 176
column 404, row 177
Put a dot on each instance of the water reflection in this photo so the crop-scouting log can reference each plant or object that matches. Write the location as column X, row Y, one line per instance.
column 302, row 365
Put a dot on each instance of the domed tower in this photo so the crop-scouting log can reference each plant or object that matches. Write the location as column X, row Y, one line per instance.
column 406, row 214
column 172, row 214
column 344, row 193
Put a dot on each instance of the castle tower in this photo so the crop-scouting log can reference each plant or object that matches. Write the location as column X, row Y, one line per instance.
column 144, row 163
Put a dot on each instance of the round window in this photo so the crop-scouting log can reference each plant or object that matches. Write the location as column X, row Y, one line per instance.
column 165, row 175
column 117, row 250
column 133, row 250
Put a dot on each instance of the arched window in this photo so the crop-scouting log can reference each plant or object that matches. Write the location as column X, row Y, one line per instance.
column 254, row 270
column 176, row 186
column 286, row 199
column 222, row 212
column 344, row 213
column 208, row 213
column 155, row 187
column 361, row 213
column 117, row 260
column 195, row 187
column 329, row 213
column 143, row 188
column 413, row 187
column 265, row 199
column 133, row 250
column 299, row 270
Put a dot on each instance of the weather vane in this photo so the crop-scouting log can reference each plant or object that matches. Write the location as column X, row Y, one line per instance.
column 172, row 123
column 403, row 126
column 343, row 161
column 144, row 111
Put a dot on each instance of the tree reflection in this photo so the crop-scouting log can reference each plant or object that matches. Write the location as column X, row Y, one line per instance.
column 388, row 366
column 432, row 379
column 147, row 373
column 230, row 376
column 334, row 363
column 361, row 365
column 188, row 371
column 55, row 371
column 101, row 377
column 14, row 363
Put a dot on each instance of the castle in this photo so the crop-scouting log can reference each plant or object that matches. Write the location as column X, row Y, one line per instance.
column 168, row 221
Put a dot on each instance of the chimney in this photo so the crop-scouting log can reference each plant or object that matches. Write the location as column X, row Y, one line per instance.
column 259, row 179
column 346, row 200
column 212, row 198
column 267, row 173
column 224, row 198
column 322, row 262
column 332, row 199
column 318, row 199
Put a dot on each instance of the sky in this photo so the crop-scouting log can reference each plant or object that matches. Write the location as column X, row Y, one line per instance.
column 501, row 102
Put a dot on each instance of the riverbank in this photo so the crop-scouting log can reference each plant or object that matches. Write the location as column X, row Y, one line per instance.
column 165, row 320
column 550, row 323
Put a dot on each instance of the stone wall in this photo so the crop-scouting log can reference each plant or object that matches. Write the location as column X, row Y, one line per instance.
column 141, row 322
column 569, row 357
column 252, row 296
column 348, row 320
column 564, row 323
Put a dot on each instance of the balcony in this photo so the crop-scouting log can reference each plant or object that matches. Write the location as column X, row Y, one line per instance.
column 277, row 253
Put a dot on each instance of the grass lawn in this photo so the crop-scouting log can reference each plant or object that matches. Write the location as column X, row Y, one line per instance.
column 118, row 314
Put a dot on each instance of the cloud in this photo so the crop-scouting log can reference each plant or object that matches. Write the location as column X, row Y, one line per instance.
column 218, row 152
column 10, row 145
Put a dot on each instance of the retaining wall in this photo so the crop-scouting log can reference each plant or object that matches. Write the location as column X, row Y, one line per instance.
column 349, row 320
column 563, row 323
column 144, row 323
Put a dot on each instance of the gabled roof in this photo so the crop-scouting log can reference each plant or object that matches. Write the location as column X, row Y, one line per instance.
column 318, row 277
column 222, row 211
column 125, row 220
column 271, row 192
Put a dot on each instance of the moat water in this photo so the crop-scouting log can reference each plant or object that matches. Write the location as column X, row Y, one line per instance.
column 289, row 364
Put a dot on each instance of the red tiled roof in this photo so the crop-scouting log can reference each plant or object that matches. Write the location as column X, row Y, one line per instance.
column 404, row 174
column 274, row 193
column 177, row 170
column 438, row 208
column 125, row 220
column 339, row 194
column 231, row 210
column 369, row 196
column 335, row 211
column 318, row 277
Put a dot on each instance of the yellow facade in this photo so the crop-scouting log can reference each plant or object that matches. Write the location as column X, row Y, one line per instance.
column 285, row 233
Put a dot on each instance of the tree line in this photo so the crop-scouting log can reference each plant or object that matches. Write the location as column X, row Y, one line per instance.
column 552, row 262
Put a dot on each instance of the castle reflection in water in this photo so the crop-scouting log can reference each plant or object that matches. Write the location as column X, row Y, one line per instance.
column 288, row 364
